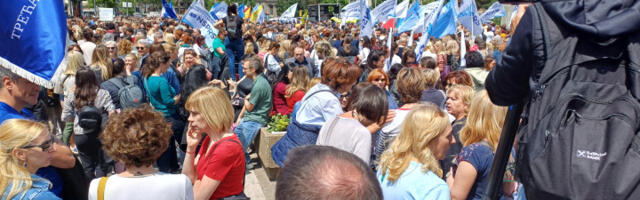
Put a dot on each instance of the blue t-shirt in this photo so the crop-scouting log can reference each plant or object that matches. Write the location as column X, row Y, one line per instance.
column 481, row 157
column 49, row 173
column 414, row 184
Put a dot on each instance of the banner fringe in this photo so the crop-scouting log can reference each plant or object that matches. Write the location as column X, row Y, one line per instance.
column 25, row 74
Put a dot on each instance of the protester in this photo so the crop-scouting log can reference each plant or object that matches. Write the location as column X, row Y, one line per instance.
column 257, row 104
column 300, row 59
column 459, row 77
column 349, row 131
column 119, row 81
column 476, row 69
column 431, row 94
column 101, row 63
column 322, row 172
column 217, row 170
column 480, row 134
column 25, row 147
column 410, row 169
column 137, row 137
column 234, row 43
column 163, row 98
column 457, row 105
column 380, row 79
column 319, row 104
column 87, row 93
column 410, row 86
column 299, row 83
column 279, row 88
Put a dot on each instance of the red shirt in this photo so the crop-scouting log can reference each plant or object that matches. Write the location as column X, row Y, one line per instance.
column 225, row 164
column 291, row 101
column 279, row 102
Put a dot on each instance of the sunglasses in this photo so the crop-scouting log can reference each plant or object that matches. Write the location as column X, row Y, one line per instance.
column 46, row 146
column 140, row 48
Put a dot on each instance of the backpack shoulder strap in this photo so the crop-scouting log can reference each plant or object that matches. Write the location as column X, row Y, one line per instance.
column 102, row 184
column 316, row 92
column 119, row 83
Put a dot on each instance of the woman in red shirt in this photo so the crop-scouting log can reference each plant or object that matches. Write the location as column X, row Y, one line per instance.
column 299, row 81
column 217, row 170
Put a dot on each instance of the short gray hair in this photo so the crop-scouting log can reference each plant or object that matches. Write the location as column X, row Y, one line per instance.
column 4, row 72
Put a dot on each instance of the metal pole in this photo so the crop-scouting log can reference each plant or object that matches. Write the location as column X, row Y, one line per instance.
column 502, row 152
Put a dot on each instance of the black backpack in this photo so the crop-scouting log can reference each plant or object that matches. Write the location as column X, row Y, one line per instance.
column 232, row 23
column 578, row 137
column 90, row 119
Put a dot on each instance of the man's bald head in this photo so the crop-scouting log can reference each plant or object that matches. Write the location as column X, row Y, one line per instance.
column 323, row 172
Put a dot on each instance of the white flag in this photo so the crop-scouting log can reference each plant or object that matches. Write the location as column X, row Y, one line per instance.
column 402, row 8
column 290, row 12
column 383, row 10
column 198, row 17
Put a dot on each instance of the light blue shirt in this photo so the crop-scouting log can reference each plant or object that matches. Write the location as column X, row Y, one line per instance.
column 320, row 107
column 414, row 184
column 39, row 190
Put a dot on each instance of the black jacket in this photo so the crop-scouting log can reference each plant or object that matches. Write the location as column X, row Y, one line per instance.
column 521, row 62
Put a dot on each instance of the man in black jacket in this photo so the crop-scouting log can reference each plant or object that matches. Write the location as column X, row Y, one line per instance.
column 521, row 62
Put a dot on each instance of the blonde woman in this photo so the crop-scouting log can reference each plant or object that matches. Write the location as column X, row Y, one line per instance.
column 74, row 62
column 217, row 169
column 410, row 169
column 101, row 63
column 131, row 63
column 299, row 81
column 25, row 147
column 469, row 178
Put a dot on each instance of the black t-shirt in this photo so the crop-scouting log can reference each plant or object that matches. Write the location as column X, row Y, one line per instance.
column 238, row 29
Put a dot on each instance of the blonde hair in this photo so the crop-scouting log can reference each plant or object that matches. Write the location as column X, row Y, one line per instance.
column 169, row 38
column 484, row 121
column 464, row 92
column 74, row 62
column 422, row 126
column 219, row 115
column 452, row 47
column 313, row 82
column 101, row 60
column 124, row 47
column 299, row 81
column 431, row 77
column 249, row 48
column 285, row 47
column 16, row 133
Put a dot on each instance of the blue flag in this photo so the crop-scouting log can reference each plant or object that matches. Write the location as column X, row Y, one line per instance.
column 413, row 16
column 428, row 27
column 241, row 11
column 168, row 10
column 469, row 18
column 495, row 10
column 33, row 39
column 446, row 22
column 198, row 17
column 219, row 10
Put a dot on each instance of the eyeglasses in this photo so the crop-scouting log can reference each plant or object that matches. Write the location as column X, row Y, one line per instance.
column 140, row 48
column 380, row 80
column 111, row 47
column 46, row 146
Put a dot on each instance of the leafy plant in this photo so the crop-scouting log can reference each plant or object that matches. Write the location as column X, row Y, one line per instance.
column 278, row 123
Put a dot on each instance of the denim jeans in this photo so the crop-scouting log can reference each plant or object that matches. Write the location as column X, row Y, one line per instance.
column 247, row 131
column 234, row 51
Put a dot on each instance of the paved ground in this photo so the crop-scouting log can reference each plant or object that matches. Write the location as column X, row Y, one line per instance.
column 257, row 184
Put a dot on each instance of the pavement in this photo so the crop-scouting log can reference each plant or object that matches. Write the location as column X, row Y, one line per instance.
column 257, row 184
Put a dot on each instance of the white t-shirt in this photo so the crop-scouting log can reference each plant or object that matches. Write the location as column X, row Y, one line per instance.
column 157, row 186
column 348, row 135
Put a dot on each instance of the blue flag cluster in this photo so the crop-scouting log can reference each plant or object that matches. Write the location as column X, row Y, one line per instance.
column 33, row 39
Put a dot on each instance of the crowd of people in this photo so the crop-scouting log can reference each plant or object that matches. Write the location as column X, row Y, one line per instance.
column 147, row 109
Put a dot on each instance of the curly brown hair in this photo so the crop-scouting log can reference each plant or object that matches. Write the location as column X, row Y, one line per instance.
column 337, row 71
column 136, row 137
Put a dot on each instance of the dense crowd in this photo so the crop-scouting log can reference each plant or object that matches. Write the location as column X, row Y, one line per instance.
column 164, row 114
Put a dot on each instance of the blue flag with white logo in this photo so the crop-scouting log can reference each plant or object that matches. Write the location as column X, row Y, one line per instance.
column 495, row 10
column 469, row 18
column 446, row 22
column 168, row 10
column 33, row 39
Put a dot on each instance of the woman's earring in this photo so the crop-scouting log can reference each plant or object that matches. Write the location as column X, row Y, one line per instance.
column 25, row 164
